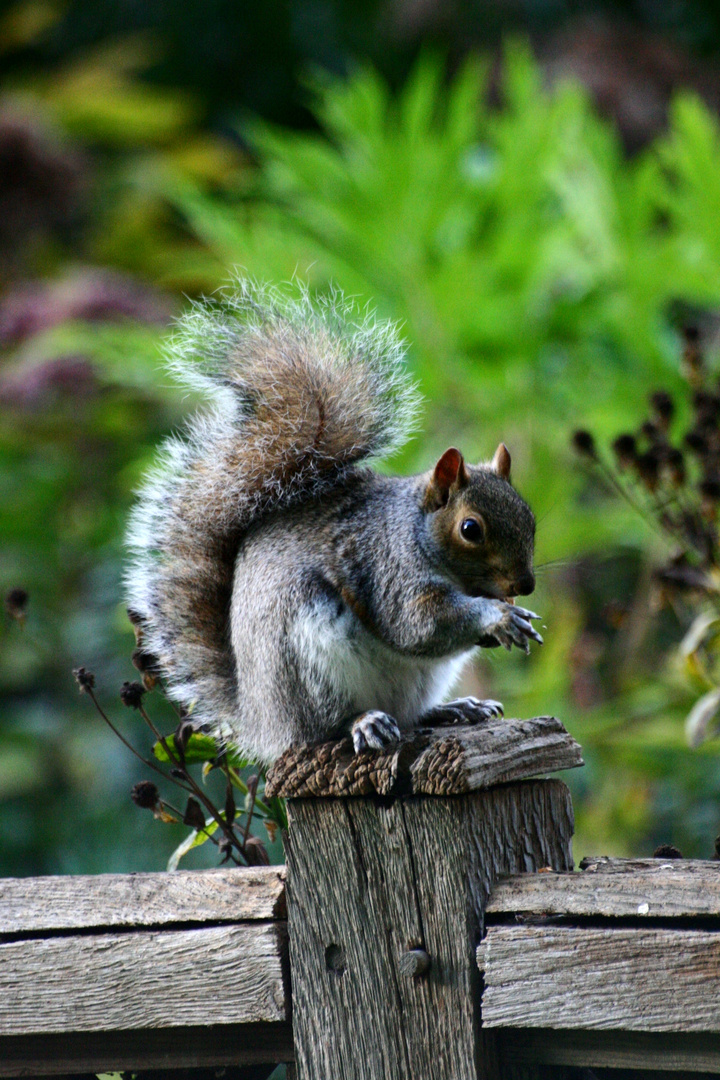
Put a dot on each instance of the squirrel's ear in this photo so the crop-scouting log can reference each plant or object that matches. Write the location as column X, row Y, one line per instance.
column 501, row 462
column 449, row 472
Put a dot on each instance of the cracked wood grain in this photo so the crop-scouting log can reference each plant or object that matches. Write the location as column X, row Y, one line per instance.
column 370, row 880
column 429, row 761
column 631, row 979
column 29, row 905
column 645, row 888
column 153, row 979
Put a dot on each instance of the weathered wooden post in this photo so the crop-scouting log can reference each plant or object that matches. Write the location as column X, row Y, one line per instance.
column 390, row 861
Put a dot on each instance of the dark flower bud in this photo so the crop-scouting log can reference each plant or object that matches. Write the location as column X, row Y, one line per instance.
column 707, row 406
column 696, row 441
column 663, row 406
column 625, row 448
column 667, row 851
column 16, row 604
column 648, row 467
column 584, row 444
column 651, row 431
column 145, row 794
column 675, row 464
column 194, row 816
column 131, row 694
column 85, row 679
column 256, row 852
column 691, row 334
column 710, row 488
column 179, row 774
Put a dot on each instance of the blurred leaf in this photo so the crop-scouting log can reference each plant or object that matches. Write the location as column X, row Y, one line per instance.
column 195, row 839
column 99, row 97
column 703, row 712
column 26, row 21
column 199, row 748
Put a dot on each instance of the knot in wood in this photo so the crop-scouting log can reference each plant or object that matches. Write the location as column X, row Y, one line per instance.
column 413, row 963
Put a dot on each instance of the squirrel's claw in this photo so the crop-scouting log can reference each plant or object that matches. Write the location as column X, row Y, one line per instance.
column 514, row 627
column 469, row 710
column 374, row 731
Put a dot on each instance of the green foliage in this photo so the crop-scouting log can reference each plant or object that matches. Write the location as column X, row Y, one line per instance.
column 539, row 277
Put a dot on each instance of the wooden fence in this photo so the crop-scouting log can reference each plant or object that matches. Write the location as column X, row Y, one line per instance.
column 430, row 923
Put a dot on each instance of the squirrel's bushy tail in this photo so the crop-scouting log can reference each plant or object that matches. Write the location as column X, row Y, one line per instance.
column 300, row 391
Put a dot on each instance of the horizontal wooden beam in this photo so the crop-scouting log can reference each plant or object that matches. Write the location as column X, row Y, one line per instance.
column 430, row 761
column 32, row 905
column 641, row 888
column 675, row 1052
column 632, row 979
column 162, row 1048
column 150, row 979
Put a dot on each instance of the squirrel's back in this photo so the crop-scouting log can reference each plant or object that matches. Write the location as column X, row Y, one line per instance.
column 300, row 392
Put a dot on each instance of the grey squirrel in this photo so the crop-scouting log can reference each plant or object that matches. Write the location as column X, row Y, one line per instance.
column 288, row 593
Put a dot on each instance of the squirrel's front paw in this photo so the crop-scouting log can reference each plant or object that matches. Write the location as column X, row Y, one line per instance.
column 513, row 627
column 469, row 710
column 374, row 731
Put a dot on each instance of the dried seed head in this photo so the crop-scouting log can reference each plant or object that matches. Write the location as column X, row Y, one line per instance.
column 145, row 794
column 131, row 694
column 651, row 431
column 194, row 816
column 667, row 851
column 675, row 464
column 16, row 604
column 625, row 448
column 584, row 444
column 663, row 407
column 85, row 679
column 648, row 467
column 710, row 488
column 696, row 440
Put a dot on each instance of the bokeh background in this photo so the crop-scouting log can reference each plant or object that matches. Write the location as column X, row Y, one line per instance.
column 532, row 187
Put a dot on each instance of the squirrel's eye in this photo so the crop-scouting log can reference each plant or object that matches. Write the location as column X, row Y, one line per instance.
column 472, row 531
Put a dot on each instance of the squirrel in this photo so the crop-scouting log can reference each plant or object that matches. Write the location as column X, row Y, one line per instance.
column 286, row 592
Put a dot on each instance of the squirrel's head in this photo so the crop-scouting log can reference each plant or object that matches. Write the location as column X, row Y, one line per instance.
column 485, row 530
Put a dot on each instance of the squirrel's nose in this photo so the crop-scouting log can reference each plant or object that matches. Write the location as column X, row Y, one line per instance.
column 525, row 584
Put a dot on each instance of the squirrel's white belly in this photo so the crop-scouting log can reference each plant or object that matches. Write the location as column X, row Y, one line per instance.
column 368, row 674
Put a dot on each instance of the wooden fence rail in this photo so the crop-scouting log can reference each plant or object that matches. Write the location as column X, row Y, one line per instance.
column 430, row 920
column 143, row 971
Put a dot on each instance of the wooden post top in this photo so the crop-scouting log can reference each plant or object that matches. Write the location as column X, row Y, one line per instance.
column 428, row 761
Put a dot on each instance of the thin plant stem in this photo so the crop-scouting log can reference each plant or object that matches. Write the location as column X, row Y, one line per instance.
column 146, row 761
column 226, row 827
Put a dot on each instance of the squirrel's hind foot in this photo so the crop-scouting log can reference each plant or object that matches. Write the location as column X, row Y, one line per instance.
column 374, row 731
column 469, row 710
